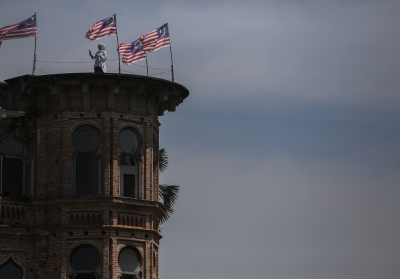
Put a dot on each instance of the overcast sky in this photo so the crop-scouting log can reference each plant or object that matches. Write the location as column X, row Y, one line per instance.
column 287, row 149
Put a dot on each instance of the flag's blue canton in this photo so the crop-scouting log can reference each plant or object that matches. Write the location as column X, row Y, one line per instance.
column 23, row 29
column 28, row 22
column 136, row 46
column 163, row 31
column 109, row 21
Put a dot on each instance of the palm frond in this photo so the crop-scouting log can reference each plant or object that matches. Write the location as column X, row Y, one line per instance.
column 162, row 159
column 169, row 194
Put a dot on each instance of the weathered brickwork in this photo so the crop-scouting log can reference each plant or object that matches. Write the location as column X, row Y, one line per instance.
column 42, row 228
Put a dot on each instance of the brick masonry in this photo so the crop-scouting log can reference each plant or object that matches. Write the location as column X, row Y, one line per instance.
column 41, row 230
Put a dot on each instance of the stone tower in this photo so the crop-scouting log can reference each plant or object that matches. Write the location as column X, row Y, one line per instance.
column 79, row 175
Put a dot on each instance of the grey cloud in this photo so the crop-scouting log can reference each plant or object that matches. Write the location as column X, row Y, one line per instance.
column 286, row 149
column 285, row 216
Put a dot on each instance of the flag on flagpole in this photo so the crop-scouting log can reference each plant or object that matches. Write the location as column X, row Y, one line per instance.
column 132, row 52
column 26, row 28
column 156, row 39
column 103, row 28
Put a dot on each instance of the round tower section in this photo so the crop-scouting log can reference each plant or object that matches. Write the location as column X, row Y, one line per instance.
column 79, row 174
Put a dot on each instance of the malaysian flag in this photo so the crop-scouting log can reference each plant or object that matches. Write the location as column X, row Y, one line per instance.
column 132, row 52
column 156, row 39
column 26, row 28
column 103, row 28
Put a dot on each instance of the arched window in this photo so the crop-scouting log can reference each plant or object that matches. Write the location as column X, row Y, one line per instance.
column 129, row 261
column 12, row 167
column 129, row 164
column 85, row 259
column 86, row 141
column 11, row 270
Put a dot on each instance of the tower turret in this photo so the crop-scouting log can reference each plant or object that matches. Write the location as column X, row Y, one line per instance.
column 79, row 175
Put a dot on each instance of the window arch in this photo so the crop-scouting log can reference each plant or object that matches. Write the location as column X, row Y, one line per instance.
column 11, row 146
column 86, row 141
column 13, row 167
column 129, row 164
column 84, row 260
column 129, row 261
column 10, row 269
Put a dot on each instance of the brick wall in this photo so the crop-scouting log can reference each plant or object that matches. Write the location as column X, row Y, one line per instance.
column 41, row 230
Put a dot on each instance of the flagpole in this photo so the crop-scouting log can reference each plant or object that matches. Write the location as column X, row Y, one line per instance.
column 147, row 66
column 34, row 54
column 172, row 63
column 170, row 51
column 119, row 57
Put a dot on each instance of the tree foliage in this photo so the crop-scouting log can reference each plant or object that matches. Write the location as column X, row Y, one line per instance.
column 162, row 159
column 168, row 193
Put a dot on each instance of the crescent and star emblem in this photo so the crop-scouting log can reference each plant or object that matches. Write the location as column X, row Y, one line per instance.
column 109, row 20
column 29, row 21
column 162, row 31
column 137, row 45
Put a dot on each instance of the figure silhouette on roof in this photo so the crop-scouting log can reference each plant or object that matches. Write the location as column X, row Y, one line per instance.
column 99, row 59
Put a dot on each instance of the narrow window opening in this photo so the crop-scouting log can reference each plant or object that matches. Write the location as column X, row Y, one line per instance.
column 129, row 164
column 12, row 177
column 129, row 185
column 86, row 141
column 13, row 168
column 87, row 174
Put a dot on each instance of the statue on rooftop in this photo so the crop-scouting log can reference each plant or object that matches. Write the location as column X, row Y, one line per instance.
column 99, row 59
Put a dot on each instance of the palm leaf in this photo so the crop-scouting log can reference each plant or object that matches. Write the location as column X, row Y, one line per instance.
column 162, row 159
column 169, row 194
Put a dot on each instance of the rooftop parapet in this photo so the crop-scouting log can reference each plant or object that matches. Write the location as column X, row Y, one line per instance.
column 164, row 94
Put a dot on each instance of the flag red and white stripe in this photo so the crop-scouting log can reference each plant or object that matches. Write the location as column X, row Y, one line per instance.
column 149, row 41
column 102, row 28
column 26, row 28
column 128, row 56
column 7, row 29
column 12, row 32
column 156, row 39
